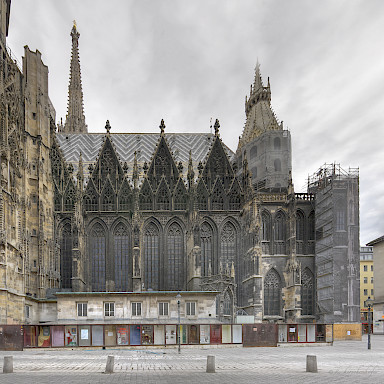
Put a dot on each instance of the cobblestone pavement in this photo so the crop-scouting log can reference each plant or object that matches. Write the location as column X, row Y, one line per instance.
column 344, row 362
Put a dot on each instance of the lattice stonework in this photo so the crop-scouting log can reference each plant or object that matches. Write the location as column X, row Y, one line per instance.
column 307, row 292
column 175, row 252
column 151, row 257
column 66, row 256
column 228, row 244
column 97, row 253
column 123, row 258
column 206, row 235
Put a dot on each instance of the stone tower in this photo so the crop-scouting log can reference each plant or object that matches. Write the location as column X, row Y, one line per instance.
column 75, row 121
column 264, row 142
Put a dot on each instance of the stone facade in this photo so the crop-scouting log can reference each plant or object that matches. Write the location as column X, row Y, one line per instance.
column 146, row 212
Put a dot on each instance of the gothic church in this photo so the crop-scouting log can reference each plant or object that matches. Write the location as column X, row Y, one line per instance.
column 121, row 212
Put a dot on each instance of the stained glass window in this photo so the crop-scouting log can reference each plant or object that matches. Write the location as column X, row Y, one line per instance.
column 97, row 246
column 151, row 257
column 123, row 260
column 66, row 256
column 175, row 250
column 272, row 293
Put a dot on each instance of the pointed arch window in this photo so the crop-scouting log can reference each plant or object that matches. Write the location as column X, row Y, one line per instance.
column 206, row 249
column 175, row 250
column 311, row 233
column 272, row 293
column 69, row 200
column 180, row 199
column 98, row 248
column 277, row 143
column 108, row 199
column 90, row 202
column 299, row 233
column 57, row 201
column 265, row 232
column 227, row 303
column 234, row 199
column 228, row 244
column 66, row 256
column 217, row 199
column 145, row 198
column 307, row 292
column 125, row 199
column 277, row 165
column 151, row 256
column 123, row 258
column 163, row 201
column 279, row 233
column 202, row 198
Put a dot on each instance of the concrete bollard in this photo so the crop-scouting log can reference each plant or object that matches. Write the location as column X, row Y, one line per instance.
column 110, row 364
column 8, row 364
column 211, row 364
column 311, row 363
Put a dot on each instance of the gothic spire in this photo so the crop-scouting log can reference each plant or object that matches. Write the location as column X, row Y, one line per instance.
column 75, row 121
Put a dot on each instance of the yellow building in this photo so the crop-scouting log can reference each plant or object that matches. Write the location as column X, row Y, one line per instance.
column 366, row 280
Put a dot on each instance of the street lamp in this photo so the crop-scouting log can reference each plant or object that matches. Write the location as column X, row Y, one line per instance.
column 178, row 297
column 368, row 303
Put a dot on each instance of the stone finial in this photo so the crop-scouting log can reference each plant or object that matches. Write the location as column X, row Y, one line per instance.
column 162, row 127
column 180, row 167
column 191, row 173
column 108, row 127
column 217, row 126
column 200, row 167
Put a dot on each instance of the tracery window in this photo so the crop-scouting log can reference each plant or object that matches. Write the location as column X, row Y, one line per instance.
column 98, row 248
column 69, row 200
column 299, row 233
column 279, row 233
column 272, row 293
column 206, row 235
column 180, row 199
column 234, row 200
column 145, row 198
column 266, row 232
column 307, row 292
column 151, row 256
column 228, row 244
column 123, row 260
column 108, row 199
column 57, row 201
column 163, row 201
column 125, row 199
column 217, row 199
column 175, row 250
column 66, row 256
column 90, row 202
column 202, row 198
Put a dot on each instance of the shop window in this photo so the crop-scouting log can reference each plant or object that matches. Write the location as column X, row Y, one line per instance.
column 163, row 309
column 190, row 308
column 109, row 309
column 136, row 309
column 82, row 309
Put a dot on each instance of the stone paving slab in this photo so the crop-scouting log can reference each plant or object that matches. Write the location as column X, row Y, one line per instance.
column 344, row 362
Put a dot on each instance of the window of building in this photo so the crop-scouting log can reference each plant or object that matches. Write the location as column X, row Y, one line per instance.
column 307, row 292
column 272, row 293
column 365, row 268
column 371, row 291
column 109, row 309
column 371, row 280
column 175, row 250
column 365, row 280
column 371, row 268
column 276, row 143
column 27, row 311
column 66, row 256
column 206, row 249
column 365, row 292
column 163, row 309
column 123, row 260
column 254, row 172
column 82, row 309
column 136, row 309
column 151, row 256
column 277, row 164
column 253, row 152
column 98, row 245
column 340, row 220
column 190, row 308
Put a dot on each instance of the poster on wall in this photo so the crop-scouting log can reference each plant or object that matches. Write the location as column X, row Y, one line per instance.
column 84, row 334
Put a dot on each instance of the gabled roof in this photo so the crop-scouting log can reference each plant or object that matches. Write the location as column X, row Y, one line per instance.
column 376, row 241
column 144, row 144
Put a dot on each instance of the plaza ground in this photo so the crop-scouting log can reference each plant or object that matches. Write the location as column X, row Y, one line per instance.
column 344, row 362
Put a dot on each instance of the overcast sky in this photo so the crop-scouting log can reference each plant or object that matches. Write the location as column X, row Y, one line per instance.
column 189, row 61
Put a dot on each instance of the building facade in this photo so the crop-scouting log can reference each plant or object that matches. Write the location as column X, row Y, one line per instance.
column 147, row 212
column 366, row 280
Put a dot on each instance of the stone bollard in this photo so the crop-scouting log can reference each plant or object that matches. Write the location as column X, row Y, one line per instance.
column 110, row 364
column 8, row 364
column 311, row 363
column 211, row 364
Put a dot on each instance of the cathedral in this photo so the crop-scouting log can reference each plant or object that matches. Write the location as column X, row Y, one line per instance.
column 134, row 212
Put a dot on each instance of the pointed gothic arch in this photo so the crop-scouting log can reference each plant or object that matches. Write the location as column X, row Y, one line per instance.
column 218, row 196
column 300, row 225
column 307, row 292
column 69, row 197
column 207, row 249
column 146, row 197
column 279, row 232
column 91, row 197
column 228, row 244
column 163, row 198
column 235, row 196
column 180, row 196
column 122, row 257
column 311, row 233
column 98, row 247
column 108, row 197
column 125, row 197
column 202, row 196
column 272, row 293
column 151, row 242
column 174, row 257
column 266, row 230
column 66, row 245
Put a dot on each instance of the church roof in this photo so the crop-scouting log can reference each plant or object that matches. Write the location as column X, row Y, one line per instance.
column 89, row 144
